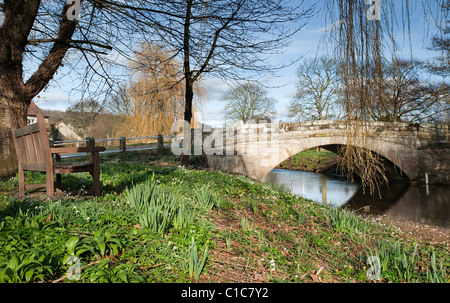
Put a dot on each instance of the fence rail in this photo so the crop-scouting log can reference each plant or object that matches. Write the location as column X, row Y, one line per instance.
column 91, row 141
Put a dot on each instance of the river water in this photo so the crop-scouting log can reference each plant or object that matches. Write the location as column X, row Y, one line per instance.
column 428, row 205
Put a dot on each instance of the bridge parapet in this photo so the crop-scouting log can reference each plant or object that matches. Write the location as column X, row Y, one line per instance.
column 370, row 125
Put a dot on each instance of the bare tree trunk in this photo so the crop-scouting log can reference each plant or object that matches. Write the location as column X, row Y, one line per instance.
column 189, row 97
column 8, row 162
column 189, row 93
column 12, row 114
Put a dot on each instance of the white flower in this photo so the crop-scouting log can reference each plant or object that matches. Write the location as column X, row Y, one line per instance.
column 272, row 265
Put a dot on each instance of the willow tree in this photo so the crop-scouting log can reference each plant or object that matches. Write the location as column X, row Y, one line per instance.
column 154, row 100
column 364, row 34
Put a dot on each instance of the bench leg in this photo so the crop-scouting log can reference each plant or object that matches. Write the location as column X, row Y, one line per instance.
column 21, row 174
column 58, row 176
column 58, row 181
column 50, row 183
column 96, row 174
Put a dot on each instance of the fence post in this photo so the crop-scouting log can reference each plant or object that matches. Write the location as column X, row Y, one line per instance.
column 90, row 142
column 160, row 143
column 123, row 144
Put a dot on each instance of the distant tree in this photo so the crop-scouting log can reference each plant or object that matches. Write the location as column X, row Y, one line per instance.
column 249, row 102
column 441, row 43
column 54, row 115
column 441, row 64
column 104, row 125
column 81, row 116
column 402, row 95
column 317, row 90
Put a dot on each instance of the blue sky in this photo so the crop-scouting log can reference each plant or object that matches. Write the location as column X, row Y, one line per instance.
column 305, row 43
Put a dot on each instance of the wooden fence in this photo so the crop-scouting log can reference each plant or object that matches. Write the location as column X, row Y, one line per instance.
column 91, row 141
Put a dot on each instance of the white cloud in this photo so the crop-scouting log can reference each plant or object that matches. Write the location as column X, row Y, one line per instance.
column 214, row 114
column 215, row 88
column 54, row 100
column 283, row 115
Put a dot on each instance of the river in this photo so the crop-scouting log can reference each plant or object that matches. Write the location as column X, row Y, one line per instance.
column 427, row 205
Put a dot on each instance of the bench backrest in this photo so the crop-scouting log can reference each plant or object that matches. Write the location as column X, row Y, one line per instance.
column 32, row 146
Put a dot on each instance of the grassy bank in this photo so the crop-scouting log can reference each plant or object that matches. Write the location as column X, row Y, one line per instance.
column 312, row 161
column 158, row 222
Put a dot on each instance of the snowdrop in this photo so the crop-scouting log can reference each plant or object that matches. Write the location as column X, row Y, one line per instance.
column 272, row 265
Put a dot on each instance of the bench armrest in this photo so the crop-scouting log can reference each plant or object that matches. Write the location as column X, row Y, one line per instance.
column 72, row 150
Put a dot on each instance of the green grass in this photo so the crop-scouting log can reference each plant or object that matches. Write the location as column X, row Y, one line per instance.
column 311, row 160
column 158, row 222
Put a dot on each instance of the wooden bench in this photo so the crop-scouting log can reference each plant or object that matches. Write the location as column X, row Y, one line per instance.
column 34, row 154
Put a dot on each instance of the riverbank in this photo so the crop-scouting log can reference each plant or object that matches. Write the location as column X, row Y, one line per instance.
column 424, row 233
column 219, row 228
column 318, row 161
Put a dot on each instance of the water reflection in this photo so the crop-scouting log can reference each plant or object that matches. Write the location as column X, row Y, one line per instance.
column 412, row 203
column 317, row 187
column 400, row 201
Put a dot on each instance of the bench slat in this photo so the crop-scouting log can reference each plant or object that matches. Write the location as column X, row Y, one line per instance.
column 33, row 128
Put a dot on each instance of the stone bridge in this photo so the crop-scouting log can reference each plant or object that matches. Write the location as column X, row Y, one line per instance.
column 414, row 150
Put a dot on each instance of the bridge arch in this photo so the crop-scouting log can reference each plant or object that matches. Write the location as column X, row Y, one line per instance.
column 392, row 170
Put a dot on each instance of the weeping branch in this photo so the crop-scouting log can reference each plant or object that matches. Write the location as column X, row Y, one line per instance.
column 363, row 45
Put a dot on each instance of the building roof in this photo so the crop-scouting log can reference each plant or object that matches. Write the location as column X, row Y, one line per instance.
column 33, row 110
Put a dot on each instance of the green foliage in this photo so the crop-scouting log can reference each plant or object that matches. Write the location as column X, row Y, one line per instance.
column 122, row 273
column 159, row 224
column 205, row 198
column 345, row 220
column 399, row 263
column 25, row 266
column 196, row 264
column 435, row 274
column 158, row 208
column 311, row 160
